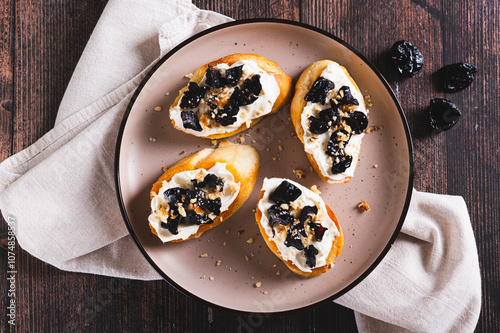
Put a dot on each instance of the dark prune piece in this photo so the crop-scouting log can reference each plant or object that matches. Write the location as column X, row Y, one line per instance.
column 319, row 230
column 293, row 236
column 190, row 120
column 211, row 205
column 210, row 181
column 193, row 218
column 357, row 121
column 174, row 195
column 457, row 76
column 233, row 75
column 172, row 225
column 278, row 214
column 226, row 116
column 248, row 93
column 407, row 58
column 346, row 97
column 443, row 114
column 214, row 78
column 333, row 149
column 327, row 118
column 310, row 253
column 285, row 193
column 191, row 98
column 319, row 90
column 342, row 164
column 307, row 212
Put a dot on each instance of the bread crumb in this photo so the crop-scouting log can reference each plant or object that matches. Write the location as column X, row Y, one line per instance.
column 275, row 265
column 166, row 94
column 164, row 169
column 189, row 76
column 218, row 262
column 214, row 142
column 299, row 173
column 274, row 159
column 253, row 141
column 211, row 278
column 246, row 257
column 314, row 188
column 280, row 148
column 152, row 139
column 204, row 255
column 373, row 128
column 240, row 139
column 158, row 108
column 258, row 284
column 278, row 272
column 224, row 244
column 364, row 206
column 202, row 277
column 330, row 265
column 250, row 240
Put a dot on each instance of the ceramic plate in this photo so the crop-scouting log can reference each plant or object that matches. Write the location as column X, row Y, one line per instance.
column 147, row 142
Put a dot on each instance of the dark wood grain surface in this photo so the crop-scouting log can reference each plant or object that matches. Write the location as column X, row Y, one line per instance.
column 41, row 42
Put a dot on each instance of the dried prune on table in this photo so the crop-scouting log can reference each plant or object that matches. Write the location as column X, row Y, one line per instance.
column 233, row 75
column 443, row 114
column 346, row 96
column 319, row 90
column 192, row 97
column 190, row 120
column 456, row 77
column 285, row 193
column 310, row 252
column 407, row 58
column 214, row 78
column 357, row 121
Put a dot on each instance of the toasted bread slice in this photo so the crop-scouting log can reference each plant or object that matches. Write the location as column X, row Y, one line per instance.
column 284, row 84
column 298, row 105
column 331, row 241
column 241, row 161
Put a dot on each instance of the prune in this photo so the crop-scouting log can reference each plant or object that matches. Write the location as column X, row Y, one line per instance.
column 211, row 205
column 319, row 90
column 319, row 231
column 457, row 76
column 346, row 96
column 285, row 193
column 327, row 118
column 357, row 121
column 214, row 78
column 340, row 166
column 233, row 75
column 293, row 236
column 443, row 114
column 225, row 116
column 190, row 120
column 172, row 225
column 248, row 93
column 407, row 58
column 310, row 253
column 192, row 97
column 278, row 214
column 333, row 148
column 174, row 195
column 307, row 212
column 193, row 218
column 210, row 181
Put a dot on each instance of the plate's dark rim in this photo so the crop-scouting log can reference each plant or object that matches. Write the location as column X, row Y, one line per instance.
column 227, row 25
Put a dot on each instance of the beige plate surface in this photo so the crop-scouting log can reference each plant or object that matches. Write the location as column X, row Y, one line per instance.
column 368, row 235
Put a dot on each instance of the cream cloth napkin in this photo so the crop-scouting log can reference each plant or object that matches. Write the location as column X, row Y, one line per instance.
column 60, row 190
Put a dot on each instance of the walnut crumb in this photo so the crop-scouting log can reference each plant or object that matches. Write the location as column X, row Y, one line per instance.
column 204, row 255
column 152, row 139
column 275, row 265
column 364, row 206
column 267, row 149
column 218, row 262
column 250, row 240
column 211, row 278
column 375, row 166
column 278, row 272
column 214, row 142
column 299, row 173
column 240, row 139
column 330, row 265
column 202, row 277
column 182, row 152
column 258, row 284
column 158, row 108
column 253, row 141
column 227, row 231
column 314, row 188
column 280, row 148
column 224, row 244
column 246, row 257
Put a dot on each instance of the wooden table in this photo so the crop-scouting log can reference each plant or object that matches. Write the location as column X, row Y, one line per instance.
column 41, row 43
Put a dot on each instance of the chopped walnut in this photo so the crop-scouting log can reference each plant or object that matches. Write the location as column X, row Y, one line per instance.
column 218, row 262
column 364, row 206
column 240, row 139
column 214, row 142
column 258, row 284
column 211, row 278
column 158, row 108
column 300, row 173
column 250, row 240
column 152, row 139
column 204, row 255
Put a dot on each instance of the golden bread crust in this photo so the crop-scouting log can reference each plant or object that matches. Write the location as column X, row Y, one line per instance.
column 304, row 84
column 284, row 82
column 243, row 163
column 335, row 250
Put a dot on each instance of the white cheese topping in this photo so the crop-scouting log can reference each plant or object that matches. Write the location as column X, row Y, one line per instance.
column 316, row 144
column 159, row 204
column 260, row 107
column 307, row 198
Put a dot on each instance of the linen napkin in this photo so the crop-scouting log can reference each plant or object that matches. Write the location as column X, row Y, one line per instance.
column 429, row 280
